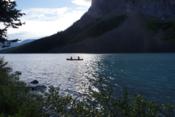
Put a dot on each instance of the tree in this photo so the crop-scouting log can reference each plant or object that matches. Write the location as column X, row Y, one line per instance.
column 9, row 17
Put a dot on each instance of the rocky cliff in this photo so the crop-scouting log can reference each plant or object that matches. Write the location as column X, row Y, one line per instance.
column 115, row 26
column 159, row 8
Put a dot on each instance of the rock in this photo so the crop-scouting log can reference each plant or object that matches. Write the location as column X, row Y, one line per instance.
column 34, row 82
column 158, row 8
column 18, row 72
column 35, row 86
column 38, row 88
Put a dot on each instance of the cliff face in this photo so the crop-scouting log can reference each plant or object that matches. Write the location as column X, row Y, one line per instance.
column 158, row 8
column 115, row 26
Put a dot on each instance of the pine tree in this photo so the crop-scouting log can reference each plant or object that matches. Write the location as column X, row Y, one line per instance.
column 9, row 17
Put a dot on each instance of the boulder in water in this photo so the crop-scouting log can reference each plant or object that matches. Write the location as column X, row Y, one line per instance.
column 34, row 82
column 38, row 88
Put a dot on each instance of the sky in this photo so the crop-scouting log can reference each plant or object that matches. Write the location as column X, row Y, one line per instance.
column 46, row 17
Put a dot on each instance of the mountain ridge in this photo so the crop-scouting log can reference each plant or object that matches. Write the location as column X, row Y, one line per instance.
column 159, row 8
column 115, row 26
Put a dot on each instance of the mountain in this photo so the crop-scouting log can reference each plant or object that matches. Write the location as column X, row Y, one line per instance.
column 16, row 44
column 114, row 26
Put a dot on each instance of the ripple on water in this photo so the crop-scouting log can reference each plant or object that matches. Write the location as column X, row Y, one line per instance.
column 152, row 75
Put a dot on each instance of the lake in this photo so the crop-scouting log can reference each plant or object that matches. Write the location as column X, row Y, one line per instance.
column 151, row 75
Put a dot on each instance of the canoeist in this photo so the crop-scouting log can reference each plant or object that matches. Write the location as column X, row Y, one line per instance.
column 72, row 59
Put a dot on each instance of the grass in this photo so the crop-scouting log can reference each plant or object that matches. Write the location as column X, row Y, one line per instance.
column 16, row 100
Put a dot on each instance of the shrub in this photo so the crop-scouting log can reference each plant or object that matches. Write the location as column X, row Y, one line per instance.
column 15, row 98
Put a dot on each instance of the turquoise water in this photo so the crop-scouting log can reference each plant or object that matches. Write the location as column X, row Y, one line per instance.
column 152, row 75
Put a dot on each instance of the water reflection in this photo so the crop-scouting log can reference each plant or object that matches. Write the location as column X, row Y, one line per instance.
column 151, row 75
column 55, row 70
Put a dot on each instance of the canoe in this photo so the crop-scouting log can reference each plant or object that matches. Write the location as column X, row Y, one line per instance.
column 74, row 59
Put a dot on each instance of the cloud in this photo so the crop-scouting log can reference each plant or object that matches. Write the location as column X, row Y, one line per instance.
column 46, row 21
column 82, row 2
column 42, row 22
column 44, row 14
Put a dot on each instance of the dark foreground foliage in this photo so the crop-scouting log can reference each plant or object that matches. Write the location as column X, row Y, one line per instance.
column 9, row 17
column 16, row 100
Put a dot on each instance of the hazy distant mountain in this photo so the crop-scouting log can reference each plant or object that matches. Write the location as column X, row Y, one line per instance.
column 24, row 42
column 115, row 26
column 16, row 44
